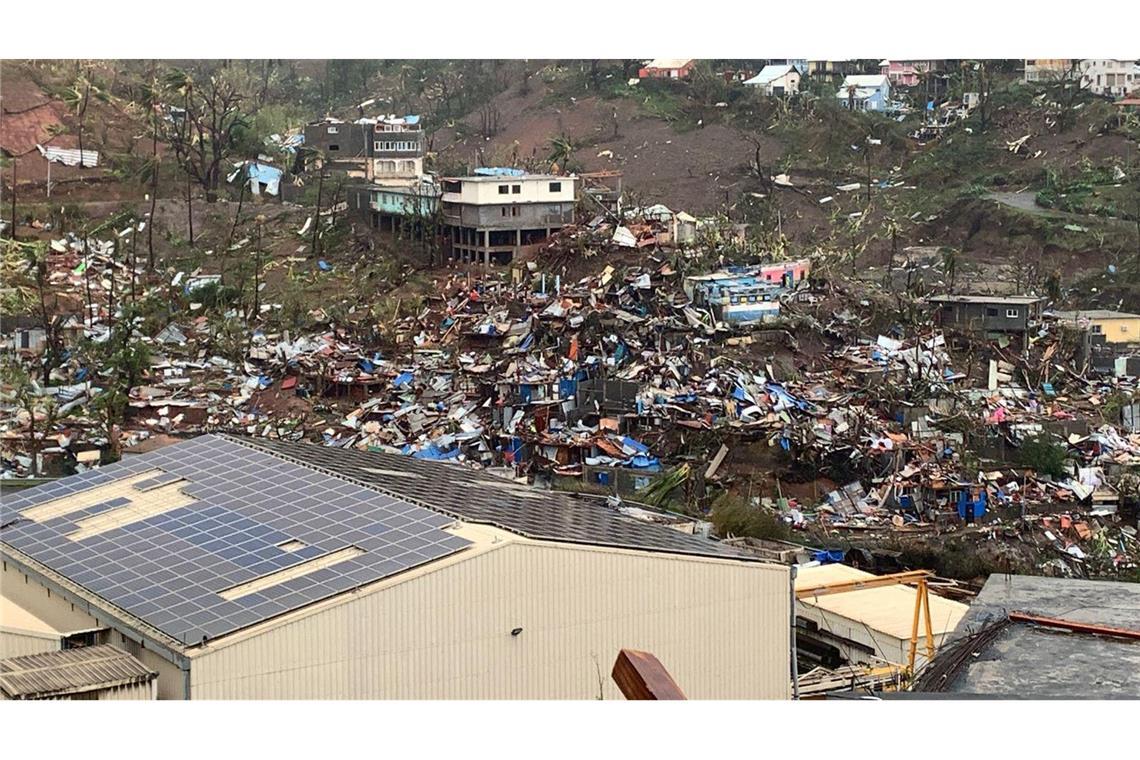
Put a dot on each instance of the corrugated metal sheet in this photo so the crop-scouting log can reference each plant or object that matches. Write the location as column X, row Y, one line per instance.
column 70, row 156
column 720, row 627
column 70, row 671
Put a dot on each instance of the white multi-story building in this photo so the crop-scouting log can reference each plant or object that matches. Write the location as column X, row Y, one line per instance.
column 1110, row 78
column 492, row 216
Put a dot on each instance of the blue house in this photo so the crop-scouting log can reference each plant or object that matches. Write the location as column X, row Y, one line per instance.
column 865, row 92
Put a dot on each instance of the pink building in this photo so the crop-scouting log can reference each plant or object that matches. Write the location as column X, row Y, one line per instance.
column 906, row 73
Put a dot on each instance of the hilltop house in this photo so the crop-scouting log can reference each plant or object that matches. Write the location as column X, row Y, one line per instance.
column 1115, row 326
column 494, row 215
column 987, row 314
column 667, row 68
column 1046, row 69
column 907, row 73
column 777, row 80
column 865, row 92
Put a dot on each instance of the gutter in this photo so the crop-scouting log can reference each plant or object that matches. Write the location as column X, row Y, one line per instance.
column 794, row 663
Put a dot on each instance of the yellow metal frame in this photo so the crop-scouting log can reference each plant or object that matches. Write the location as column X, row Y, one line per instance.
column 921, row 603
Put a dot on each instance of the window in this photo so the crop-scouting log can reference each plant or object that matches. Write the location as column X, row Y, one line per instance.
column 503, row 211
column 504, row 189
column 516, row 189
column 555, row 187
column 1096, row 330
column 991, row 311
column 332, row 130
column 1012, row 313
column 515, row 210
column 333, row 147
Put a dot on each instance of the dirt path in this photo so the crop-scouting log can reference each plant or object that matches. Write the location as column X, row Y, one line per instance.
column 1026, row 200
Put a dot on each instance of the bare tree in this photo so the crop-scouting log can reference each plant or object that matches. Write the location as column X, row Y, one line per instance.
column 206, row 135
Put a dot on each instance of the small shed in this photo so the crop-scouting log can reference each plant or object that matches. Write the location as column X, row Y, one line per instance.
column 97, row 672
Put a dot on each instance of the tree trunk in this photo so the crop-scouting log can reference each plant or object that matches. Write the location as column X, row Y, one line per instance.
column 153, row 189
column 35, row 441
column 317, row 214
column 189, row 209
column 12, row 232
column 233, row 229
column 82, row 120
column 89, row 318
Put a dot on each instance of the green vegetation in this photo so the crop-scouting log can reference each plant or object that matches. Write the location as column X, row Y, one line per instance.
column 1044, row 455
column 733, row 515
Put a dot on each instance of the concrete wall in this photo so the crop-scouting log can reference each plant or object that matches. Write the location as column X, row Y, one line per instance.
column 531, row 189
column 1118, row 330
column 350, row 140
column 720, row 627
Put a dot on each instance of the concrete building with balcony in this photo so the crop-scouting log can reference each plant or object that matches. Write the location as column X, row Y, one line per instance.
column 494, row 215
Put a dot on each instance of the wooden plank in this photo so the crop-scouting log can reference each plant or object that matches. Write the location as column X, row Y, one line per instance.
column 1075, row 627
column 716, row 461
column 640, row 675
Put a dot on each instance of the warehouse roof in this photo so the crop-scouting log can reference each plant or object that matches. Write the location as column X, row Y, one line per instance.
column 70, row 671
column 208, row 536
column 887, row 609
column 214, row 534
column 477, row 497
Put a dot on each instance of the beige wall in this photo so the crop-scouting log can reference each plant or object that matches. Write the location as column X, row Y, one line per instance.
column 66, row 617
column 53, row 609
column 1119, row 330
column 721, row 628
column 14, row 643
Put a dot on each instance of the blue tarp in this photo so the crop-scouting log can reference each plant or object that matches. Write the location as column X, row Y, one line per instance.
column 402, row 379
column 979, row 505
column 498, row 171
column 637, row 446
column 434, row 452
column 826, row 557
column 270, row 176
column 324, row 266
column 651, row 464
column 567, row 388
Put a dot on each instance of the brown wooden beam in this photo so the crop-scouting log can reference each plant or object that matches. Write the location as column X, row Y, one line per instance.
column 640, row 675
column 1075, row 627
column 839, row 587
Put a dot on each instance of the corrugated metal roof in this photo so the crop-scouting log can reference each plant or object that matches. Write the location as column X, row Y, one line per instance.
column 70, row 156
column 70, row 671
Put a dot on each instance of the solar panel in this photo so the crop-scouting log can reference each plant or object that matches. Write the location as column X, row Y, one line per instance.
column 168, row 569
column 481, row 498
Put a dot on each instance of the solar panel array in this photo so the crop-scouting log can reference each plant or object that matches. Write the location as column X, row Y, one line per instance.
column 481, row 498
column 168, row 569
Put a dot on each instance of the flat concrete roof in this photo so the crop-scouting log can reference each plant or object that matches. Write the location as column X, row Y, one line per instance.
column 985, row 299
column 1030, row 662
column 1094, row 314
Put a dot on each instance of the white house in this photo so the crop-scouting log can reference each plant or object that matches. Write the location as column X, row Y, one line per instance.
column 1109, row 78
column 865, row 92
column 777, row 80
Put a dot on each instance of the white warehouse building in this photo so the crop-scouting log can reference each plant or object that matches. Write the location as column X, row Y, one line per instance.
column 248, row 569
